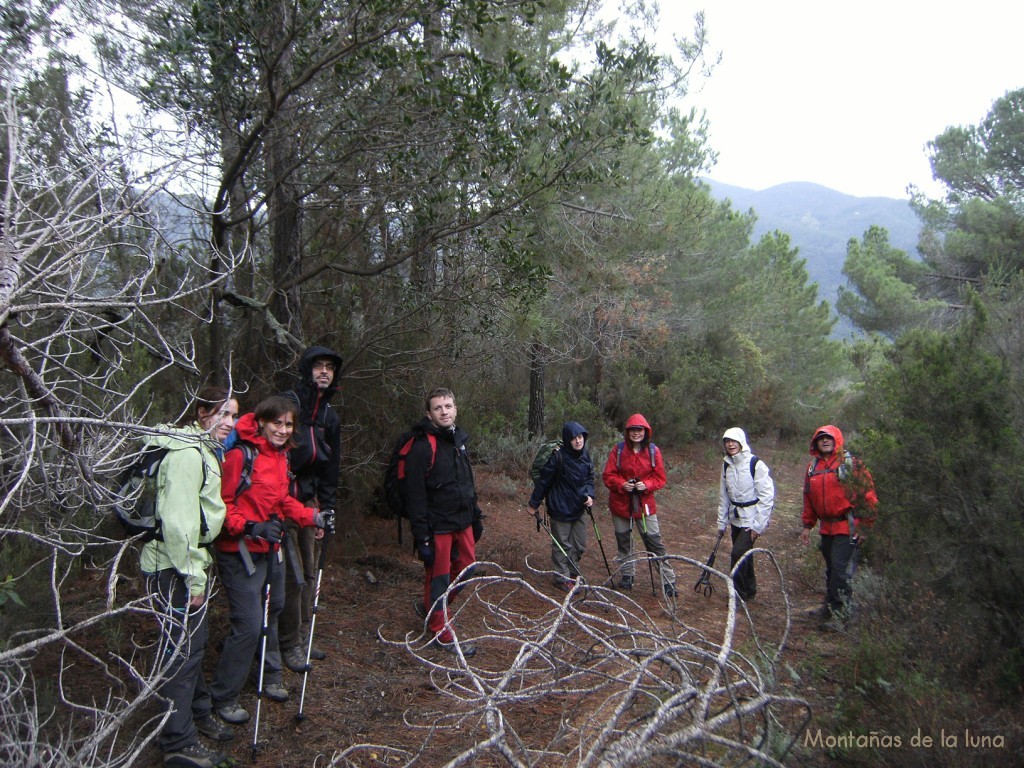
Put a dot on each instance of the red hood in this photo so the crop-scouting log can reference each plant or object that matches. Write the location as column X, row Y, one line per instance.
column 637, row 420
column 832, row 431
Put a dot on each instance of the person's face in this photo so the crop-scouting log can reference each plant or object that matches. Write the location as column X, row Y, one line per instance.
column 219, row 421
column 278, row 431
column 731, row 447
column 635, row 434
column 578, row 441
column 323, row 372
column 442, row 412
column 826, row 445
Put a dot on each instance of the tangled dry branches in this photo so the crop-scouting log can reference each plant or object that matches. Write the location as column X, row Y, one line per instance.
column 623, row 687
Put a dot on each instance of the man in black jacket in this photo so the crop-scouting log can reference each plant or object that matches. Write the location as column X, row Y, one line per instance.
column 314, row 462
column 440, row 496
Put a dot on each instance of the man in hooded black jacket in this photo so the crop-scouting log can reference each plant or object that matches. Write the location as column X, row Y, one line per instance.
column 314, row 461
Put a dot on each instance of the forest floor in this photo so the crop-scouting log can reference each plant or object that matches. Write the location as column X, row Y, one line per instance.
column 369, row 691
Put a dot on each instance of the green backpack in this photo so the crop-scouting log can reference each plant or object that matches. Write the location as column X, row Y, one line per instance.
column 541, row 458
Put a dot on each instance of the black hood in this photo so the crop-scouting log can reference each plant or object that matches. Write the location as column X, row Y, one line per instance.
column 306, row 389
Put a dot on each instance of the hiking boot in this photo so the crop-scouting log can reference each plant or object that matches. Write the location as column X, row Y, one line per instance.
column 212, row 728
column 295, row 659
column 420, row 608
column 315, row 654
column 565, row 584
column 670, row 590
column 626, row 582
column 232, row 713
column 468, row 649
column 275, row 691
column 194, row 756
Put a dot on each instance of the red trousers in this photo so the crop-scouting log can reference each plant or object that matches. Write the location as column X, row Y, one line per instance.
column 454, row 553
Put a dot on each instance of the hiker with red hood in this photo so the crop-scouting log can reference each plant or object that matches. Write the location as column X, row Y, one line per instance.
column 633, row 473
column 839, row 494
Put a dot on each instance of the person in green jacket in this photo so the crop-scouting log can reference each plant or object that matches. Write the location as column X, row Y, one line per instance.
column 191, row 512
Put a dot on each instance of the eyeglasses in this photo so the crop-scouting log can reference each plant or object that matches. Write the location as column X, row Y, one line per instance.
column 323, row 366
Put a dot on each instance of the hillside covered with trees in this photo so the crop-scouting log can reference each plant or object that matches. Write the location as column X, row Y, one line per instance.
column 502, row 197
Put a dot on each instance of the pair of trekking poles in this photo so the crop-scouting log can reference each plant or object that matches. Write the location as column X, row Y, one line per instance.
column 300, row 716
column 597, row 535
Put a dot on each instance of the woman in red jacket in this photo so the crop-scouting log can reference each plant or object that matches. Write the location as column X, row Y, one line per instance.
column 248, row 551
column 633, row 472
column 839, row 493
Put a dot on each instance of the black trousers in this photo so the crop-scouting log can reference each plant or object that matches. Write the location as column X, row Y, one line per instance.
column 183, row 641
column 744, row 579
column 840, row 564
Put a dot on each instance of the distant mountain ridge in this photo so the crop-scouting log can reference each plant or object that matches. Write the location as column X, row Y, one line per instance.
column 820, row 222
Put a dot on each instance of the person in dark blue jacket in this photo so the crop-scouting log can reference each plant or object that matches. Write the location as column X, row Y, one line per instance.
column 567, row 484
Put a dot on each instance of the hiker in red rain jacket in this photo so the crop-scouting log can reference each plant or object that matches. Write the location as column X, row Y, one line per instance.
column 839, row 495
column 249, row 555
column 632, row 474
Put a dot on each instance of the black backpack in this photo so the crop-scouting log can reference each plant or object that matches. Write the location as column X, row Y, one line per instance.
column 394, row 474
column 248, row 459
column 135, row 507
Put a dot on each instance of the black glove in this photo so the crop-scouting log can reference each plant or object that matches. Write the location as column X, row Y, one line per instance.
column 271, row 531
column 425, row 551
column 478, row 529
column 324, row 519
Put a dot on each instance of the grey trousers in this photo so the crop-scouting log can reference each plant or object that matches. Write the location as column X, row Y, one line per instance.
column 652, row 543
column 183, row 641
column 572, row 538
column 243, row 645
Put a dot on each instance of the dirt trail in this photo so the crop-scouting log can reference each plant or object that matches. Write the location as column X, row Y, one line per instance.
column 366, row 690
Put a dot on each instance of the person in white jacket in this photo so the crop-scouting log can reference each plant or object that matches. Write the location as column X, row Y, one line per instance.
column 746, row 501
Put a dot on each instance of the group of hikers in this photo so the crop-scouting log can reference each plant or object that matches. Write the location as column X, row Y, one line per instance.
column 251, row 494
column 838, row 494
column 260, row 489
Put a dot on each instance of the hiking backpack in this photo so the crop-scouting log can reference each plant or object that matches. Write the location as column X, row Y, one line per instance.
column 541, row 458
column 394, row 473
column 248, row 460
column 135, row 507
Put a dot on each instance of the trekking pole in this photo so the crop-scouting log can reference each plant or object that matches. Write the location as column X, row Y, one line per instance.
column 704, row 582
column 597, row 535
column 263, row 652
column 650, row 565
column 312, row 621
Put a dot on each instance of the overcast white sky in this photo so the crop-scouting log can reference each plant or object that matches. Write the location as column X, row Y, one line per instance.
column 847, row 94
